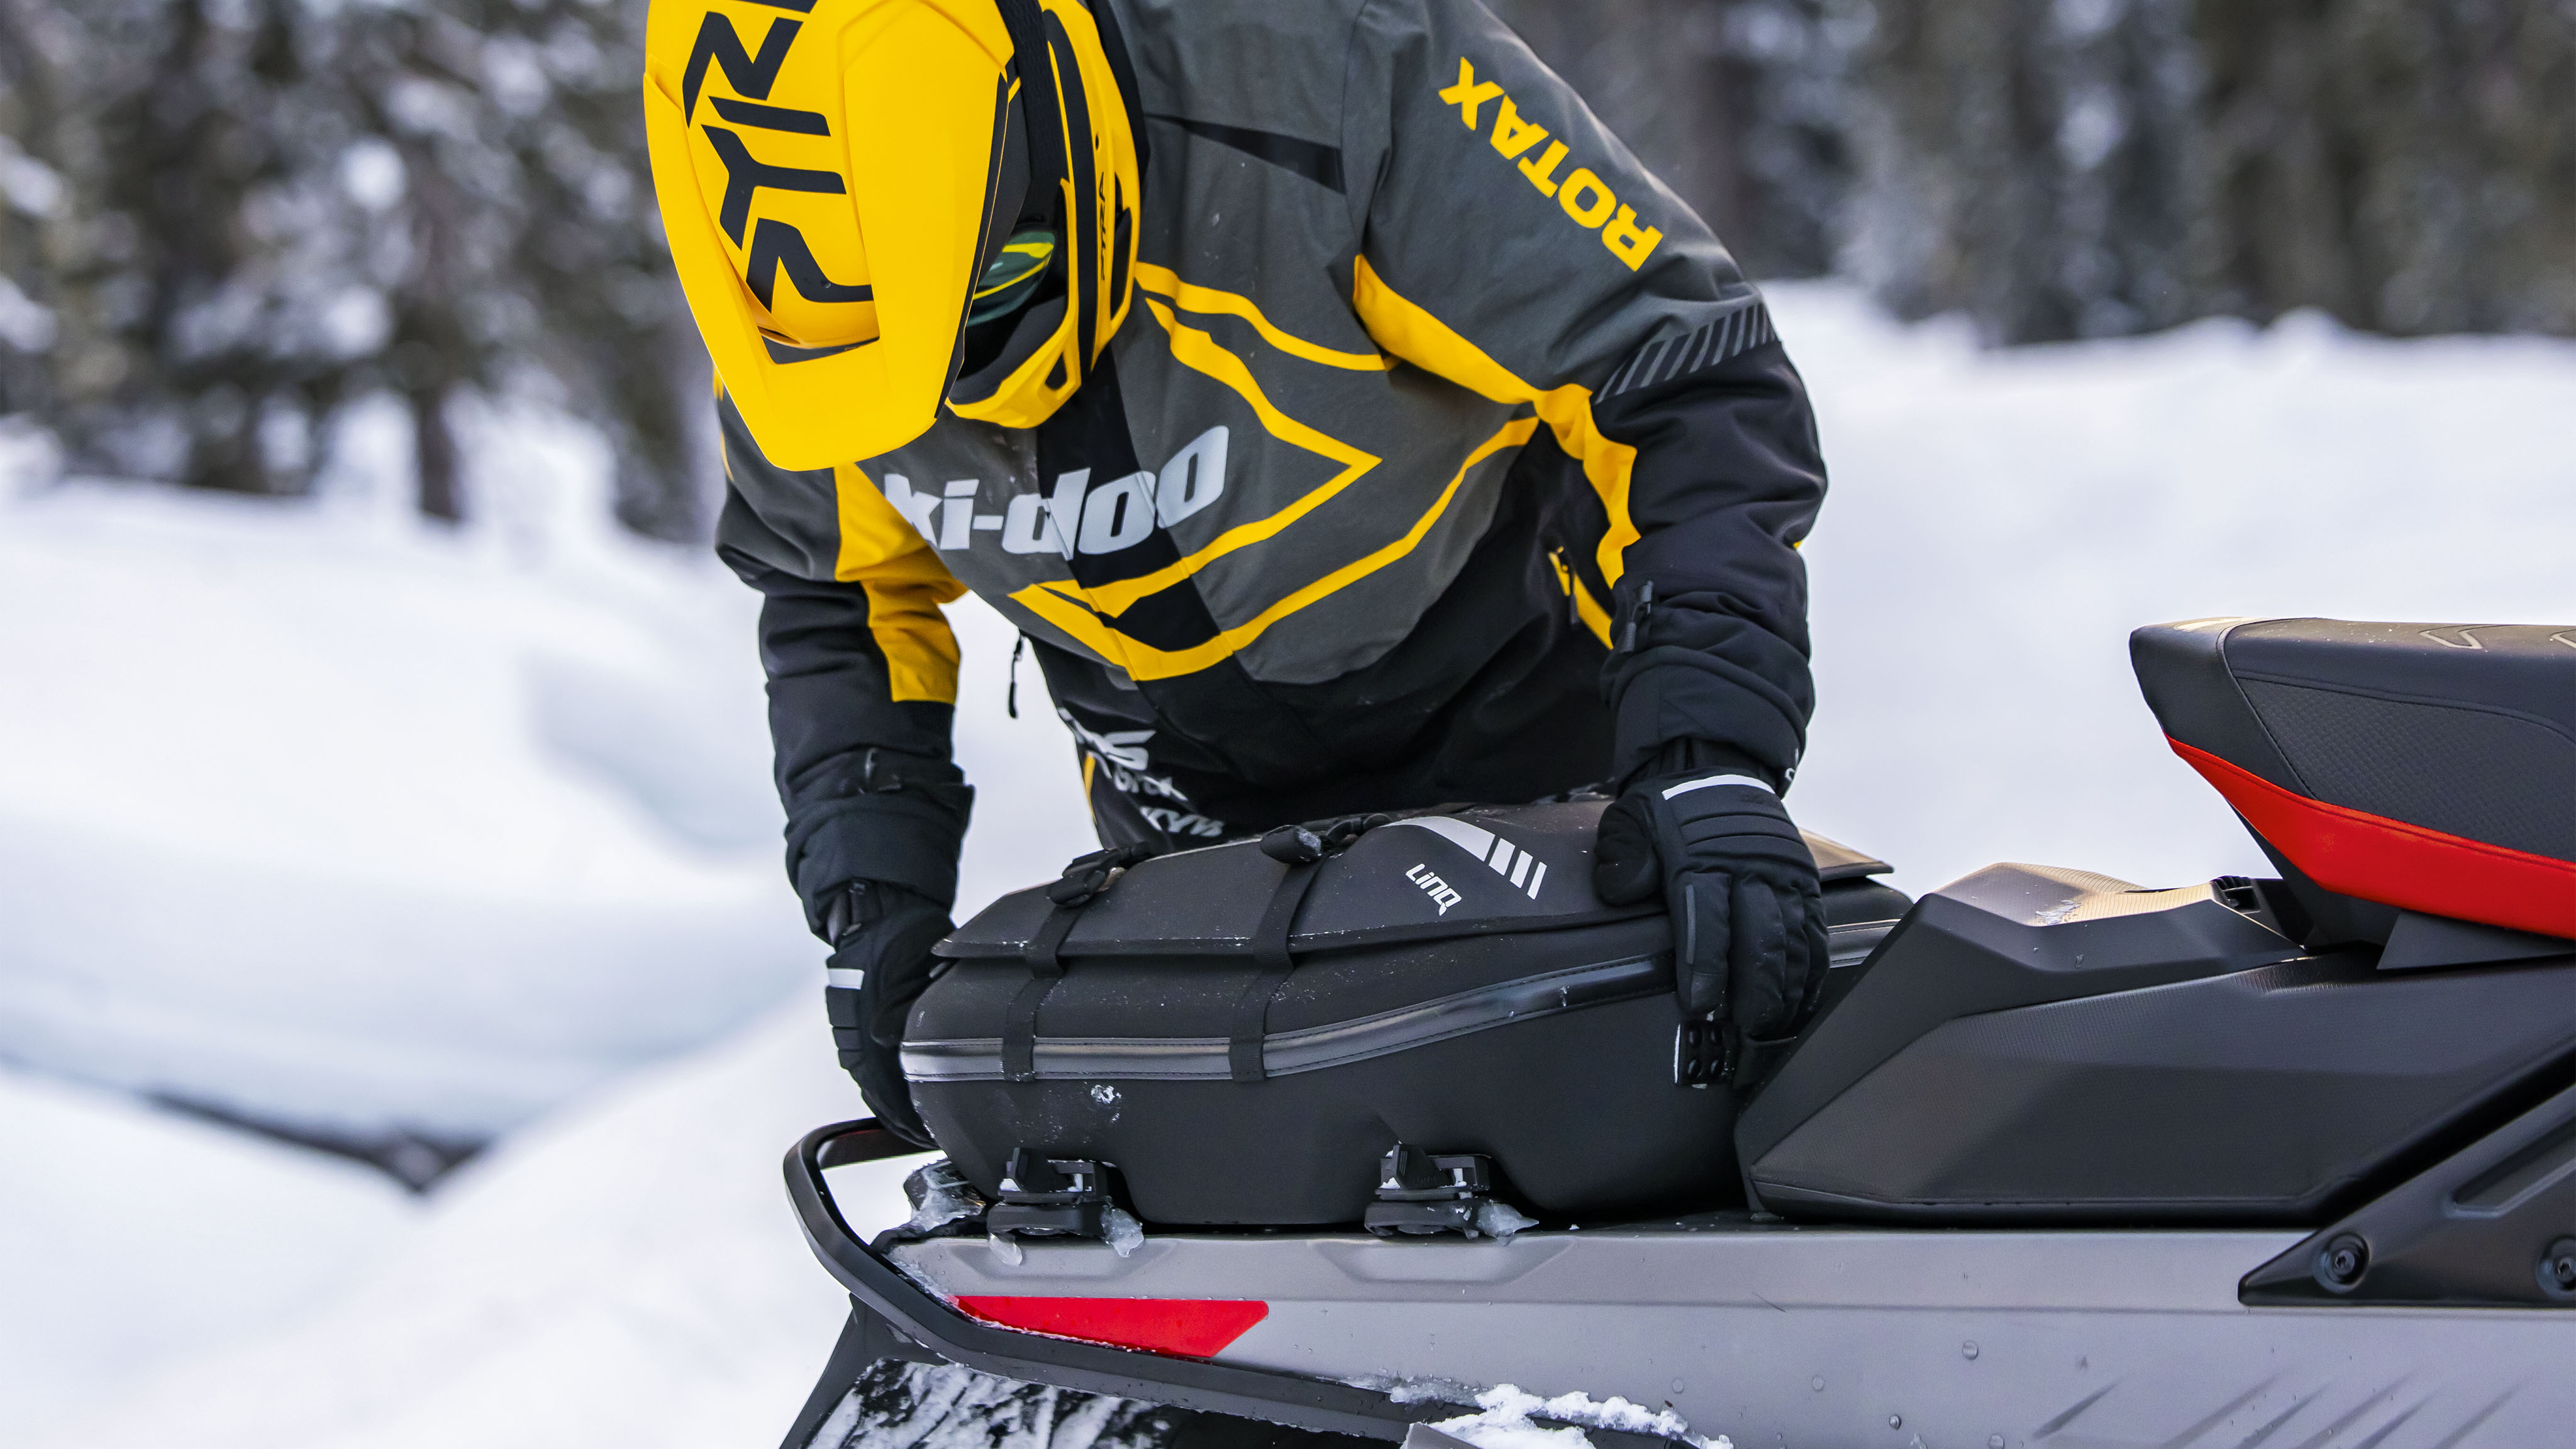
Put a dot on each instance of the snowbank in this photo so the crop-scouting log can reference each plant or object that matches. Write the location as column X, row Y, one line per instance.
column 626, row 1273
column 129, row 1239
column 2000, row 520
column 318, row 814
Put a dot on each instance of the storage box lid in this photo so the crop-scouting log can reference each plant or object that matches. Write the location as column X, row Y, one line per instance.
column 1470, row 871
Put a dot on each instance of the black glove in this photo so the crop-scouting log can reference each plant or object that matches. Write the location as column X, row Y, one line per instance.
column 1747, row 910
column 881, row 937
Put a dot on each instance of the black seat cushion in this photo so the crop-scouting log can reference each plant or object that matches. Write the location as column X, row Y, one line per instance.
column 2429, row 766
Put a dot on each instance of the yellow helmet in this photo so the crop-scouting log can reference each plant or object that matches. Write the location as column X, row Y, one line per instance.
column 835, row 176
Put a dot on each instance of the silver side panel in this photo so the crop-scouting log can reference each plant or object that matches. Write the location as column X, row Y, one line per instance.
column 1779, row 1336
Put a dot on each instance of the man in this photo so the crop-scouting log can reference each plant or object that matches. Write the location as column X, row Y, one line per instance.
column 1345, row 418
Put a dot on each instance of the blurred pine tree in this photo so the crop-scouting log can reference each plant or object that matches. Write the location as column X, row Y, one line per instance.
column 242, row 216
column 1741, row 106
column 2408, row 166
column 2085, row 168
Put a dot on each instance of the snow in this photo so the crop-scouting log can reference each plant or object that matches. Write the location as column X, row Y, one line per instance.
column 320, row 814
column 323, row 818
column 1504, row 1415
column 25, row 323
column 940, row 1195
column 918, row 1406
column 1123, row 1232
column 623, row 1273
column 309, row 808
column 326, row 816
column 27, row 183
column 1498, row 1219
column 2000, row 521
column 129, row 1239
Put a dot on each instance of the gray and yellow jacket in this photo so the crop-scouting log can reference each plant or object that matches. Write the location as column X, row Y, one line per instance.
column 1444, row 455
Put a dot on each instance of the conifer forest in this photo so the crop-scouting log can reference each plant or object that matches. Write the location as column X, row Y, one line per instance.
column 224, row 221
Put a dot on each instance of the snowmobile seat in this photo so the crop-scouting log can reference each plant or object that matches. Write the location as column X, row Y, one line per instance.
column 2428, row 767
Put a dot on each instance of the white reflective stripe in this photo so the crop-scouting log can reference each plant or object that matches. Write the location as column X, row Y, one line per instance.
column 1686, row 786
column 1500, row 856
column 846, row 977
column 1478, row 843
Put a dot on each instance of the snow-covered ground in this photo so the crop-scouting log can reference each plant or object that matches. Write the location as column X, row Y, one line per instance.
column 569, row 737
column 2000, row 521
column 312, row 813
column 319, row 814
column 130, row 1238
column 623, row 1274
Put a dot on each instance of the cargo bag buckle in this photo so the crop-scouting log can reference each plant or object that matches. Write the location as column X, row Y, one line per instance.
column 1702, row 1052
column 1419, row 1193
column 1058, row 1198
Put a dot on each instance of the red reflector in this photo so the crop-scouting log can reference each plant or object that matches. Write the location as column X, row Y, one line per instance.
column 1189, row 1327
column 2398, row 864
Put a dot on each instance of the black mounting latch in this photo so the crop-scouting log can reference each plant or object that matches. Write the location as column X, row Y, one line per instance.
column 1053, row 1197
column 1700, row 1051
column 1418, row 1192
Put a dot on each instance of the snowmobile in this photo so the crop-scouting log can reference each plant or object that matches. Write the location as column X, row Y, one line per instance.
column 1340, row 1129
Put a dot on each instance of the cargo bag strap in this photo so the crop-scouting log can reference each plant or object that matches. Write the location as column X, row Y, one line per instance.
column 1046, row 968
column 1302, row 849
column 1083, row 882
column 1270, row 949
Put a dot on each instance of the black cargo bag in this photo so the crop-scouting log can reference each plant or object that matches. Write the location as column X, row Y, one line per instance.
column 1245, row 1034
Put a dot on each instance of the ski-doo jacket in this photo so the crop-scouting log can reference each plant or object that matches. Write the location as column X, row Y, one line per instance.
column 1443, row 455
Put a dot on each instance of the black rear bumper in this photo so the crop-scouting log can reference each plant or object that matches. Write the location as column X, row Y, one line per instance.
column 893, row 1316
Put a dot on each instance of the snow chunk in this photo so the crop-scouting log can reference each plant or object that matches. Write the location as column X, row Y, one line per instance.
column 1504, row 1430
column 1501, row 1219
column 940, row 1195
column 1125, row 1234
column 1505, row 1421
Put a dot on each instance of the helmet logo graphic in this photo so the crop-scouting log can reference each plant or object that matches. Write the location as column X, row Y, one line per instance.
column 832, row 180
column 818, row 312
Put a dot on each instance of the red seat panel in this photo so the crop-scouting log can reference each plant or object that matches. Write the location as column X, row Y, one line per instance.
column 2405, row 865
